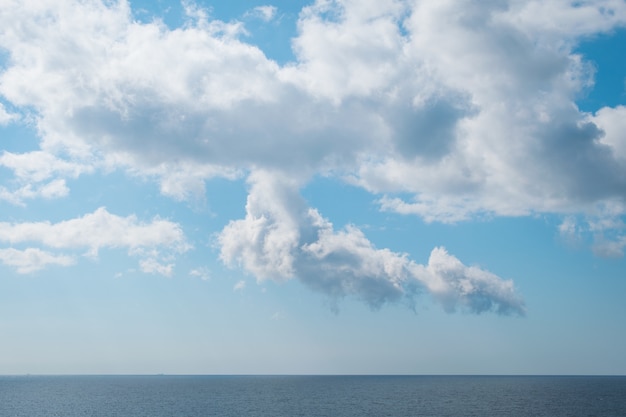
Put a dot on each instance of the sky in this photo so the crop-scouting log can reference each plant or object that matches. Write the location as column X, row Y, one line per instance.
column 312, row 187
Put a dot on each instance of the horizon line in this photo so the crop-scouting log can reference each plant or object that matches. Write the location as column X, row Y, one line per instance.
column 302, row 375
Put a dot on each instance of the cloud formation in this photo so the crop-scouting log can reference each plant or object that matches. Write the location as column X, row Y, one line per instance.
column 32, row 259
column 39, row 174
column 265, row 13
column 400, row 96
column 154, row 241
column 6, row 117
column 281, row 238
column 468, row 108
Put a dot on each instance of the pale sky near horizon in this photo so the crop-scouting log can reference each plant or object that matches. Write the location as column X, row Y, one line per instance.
column 316, row 187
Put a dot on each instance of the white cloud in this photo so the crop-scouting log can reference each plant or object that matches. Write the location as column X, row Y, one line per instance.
column 357, row 54
column 153, row 266
column 53, row 189
column 240, row 286
column 96, row 230
column 265, row 13
column 473, row 288
column 39, row 175
column 609, row 247
column 202, row 273
column 570, row 231
column 39, row 166
column 612, row 121
column 281, row 239
column 263, row 245
column 604, row 232
column 102, row 229
column 185, row 181
column 575, row 19
column 468, row 107
column 609, row 232
column 444, row 210
column 518, row 145
column 32, row 259
column 6, row 117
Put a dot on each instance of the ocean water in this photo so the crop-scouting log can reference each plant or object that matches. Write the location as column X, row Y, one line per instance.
column 337, row 396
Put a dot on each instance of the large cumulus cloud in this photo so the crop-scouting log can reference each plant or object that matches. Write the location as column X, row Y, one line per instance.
column 464, row 106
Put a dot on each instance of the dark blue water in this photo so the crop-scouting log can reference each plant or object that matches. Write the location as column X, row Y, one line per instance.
column 192, row 396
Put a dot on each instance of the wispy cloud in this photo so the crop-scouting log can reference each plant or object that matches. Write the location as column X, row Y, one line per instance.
column 92, row 232
column 6, row 117
column 265, row 13
column 153, row 266
column 203, row 273
column 54, row 189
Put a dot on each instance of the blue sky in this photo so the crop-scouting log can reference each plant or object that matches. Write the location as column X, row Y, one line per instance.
column 342, row 187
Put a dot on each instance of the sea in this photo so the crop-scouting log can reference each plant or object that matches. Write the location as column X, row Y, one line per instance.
column 336, row 396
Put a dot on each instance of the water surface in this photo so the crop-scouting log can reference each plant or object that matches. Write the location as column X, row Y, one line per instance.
column 195, row 396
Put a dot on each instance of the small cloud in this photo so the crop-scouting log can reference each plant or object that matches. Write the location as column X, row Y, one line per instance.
column 195, row 12
column 6, row 117
column 54, row 189
column 32, row 259
column 443, row 210
column 152, row 266
column 570, row 232
column 265, row 13
column 203, row 273
column 604, row 247
column 239, row 286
